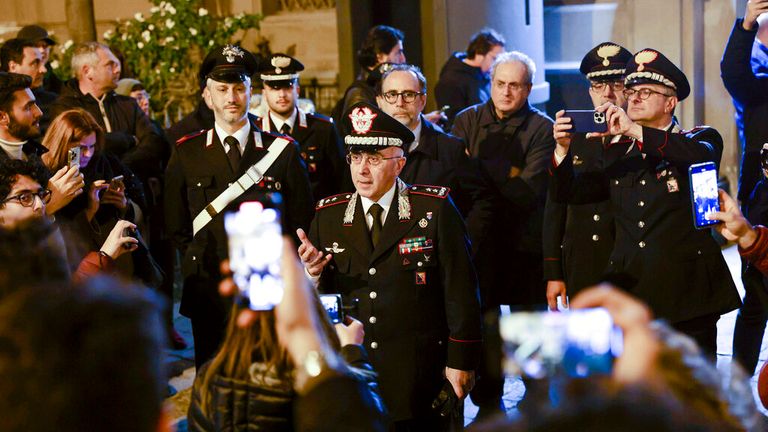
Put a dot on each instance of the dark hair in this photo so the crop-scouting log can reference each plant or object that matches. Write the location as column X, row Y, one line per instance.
column 484, row 41
column 10, row 170
column 10, row 83
column 28, row 257
column 404, row 67
column 90, row 356
column 380, row 40
column 12, row 51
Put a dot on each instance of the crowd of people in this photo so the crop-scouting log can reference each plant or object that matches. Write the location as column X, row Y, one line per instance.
column 425, row 224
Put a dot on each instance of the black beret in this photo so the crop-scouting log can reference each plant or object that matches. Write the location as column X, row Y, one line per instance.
column 605, row 62
column 228, row 64
column 652, row 67
column 371, row 128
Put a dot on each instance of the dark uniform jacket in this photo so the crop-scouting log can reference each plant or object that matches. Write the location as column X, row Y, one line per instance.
column 197, row 173
column 512, row 240
column 659, row 256
column 750, row 95
column 320, row 148
column 461, row 85
column 199, row 119
column 416, row 292
column 578, row 238
column 441, row 159
column 132, row 139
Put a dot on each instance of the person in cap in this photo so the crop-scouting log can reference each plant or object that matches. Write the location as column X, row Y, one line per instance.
column 578, row 238
column 23, row 57
column 399, row 255
column 659, row 256
column 210, row 165
column 39, row 38
column 316, row 134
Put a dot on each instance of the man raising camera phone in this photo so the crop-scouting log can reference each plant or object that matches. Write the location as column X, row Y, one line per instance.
column 659, row 256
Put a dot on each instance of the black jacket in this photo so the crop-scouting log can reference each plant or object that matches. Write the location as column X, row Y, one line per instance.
column 658, row 256
column 415, row 292
column 269, row 405
column 133, row 139
column 320, row 148
column 441, row 159
column 44, row 99
column 461, row 85
column 578, row 238
column 750, row 95
column 199, row 119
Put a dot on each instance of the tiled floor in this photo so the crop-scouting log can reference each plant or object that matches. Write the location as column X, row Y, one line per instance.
column 513, row 388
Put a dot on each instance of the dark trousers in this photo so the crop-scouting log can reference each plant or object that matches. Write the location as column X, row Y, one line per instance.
column 703, row 330
column 431, row 422
column 750, row 323
column 207, row 335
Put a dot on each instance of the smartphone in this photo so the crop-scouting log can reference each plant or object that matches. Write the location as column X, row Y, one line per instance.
column 130, row 232
column 255, row 241
column 117, row 184
column 332, row 305
column 73, row 156
column 577, row 343
column 704, row 199
column 585, row 121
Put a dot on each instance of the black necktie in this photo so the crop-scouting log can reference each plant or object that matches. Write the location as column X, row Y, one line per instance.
column 375, row 210
column 285, row 129
column 234, row 152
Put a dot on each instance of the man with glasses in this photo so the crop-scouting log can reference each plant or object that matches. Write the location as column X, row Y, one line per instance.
column 399, row 255
column 24, row 198
column 578, row 237
column 511, row 143
column 319, row 143
column 434, row 157
column 659, row 256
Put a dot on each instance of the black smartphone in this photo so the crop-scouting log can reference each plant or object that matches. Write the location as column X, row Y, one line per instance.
column 255, row 240
column 586, row 121
column 704, row 199
column 332, row 305
column 73, row 156
column 579, row 342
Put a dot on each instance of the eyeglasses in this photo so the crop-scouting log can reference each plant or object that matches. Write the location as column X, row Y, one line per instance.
column 616, row 86
column 373, row 159
column 513, row 86
column 408, row 96
column 643, row 94
column 27, row 199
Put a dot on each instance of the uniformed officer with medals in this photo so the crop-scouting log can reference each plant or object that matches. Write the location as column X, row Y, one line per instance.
column 399, row 255
column 659, row 256
column 578, row 237
column 316, row 135
column 213, row 170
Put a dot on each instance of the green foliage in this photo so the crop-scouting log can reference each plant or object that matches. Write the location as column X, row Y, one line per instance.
column 165, row 48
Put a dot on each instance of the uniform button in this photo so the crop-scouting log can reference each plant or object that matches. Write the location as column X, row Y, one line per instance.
column 371, row 271
column 642, row 182
column 641, row 244
column 199, row 184
column 596, row 217
column 615, row 182
column 194, row 258
column 595, row 237
column 374, row 345
column 640, row 203
column 641, row 224
column 373, row 294
column 419, row 263
column 698, row 252
column 372, row 320
column 229, row 184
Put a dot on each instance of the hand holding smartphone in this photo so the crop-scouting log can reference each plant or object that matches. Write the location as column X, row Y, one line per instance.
column 587, row 121
column 255, row 241
column 73, row 157
column 704, row 199
column 117, row 184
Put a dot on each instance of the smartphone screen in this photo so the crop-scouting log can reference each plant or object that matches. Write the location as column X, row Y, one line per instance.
column 332, row 305
column 577, row 343
column 703, row 180
column 73, row 156
column 255, row 241
column 117, row 184
column 585, row 121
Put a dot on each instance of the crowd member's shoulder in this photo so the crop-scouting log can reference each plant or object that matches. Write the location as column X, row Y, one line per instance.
column 703, row 132
column 320, row 117
column 541, row 115
column 333, row 200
